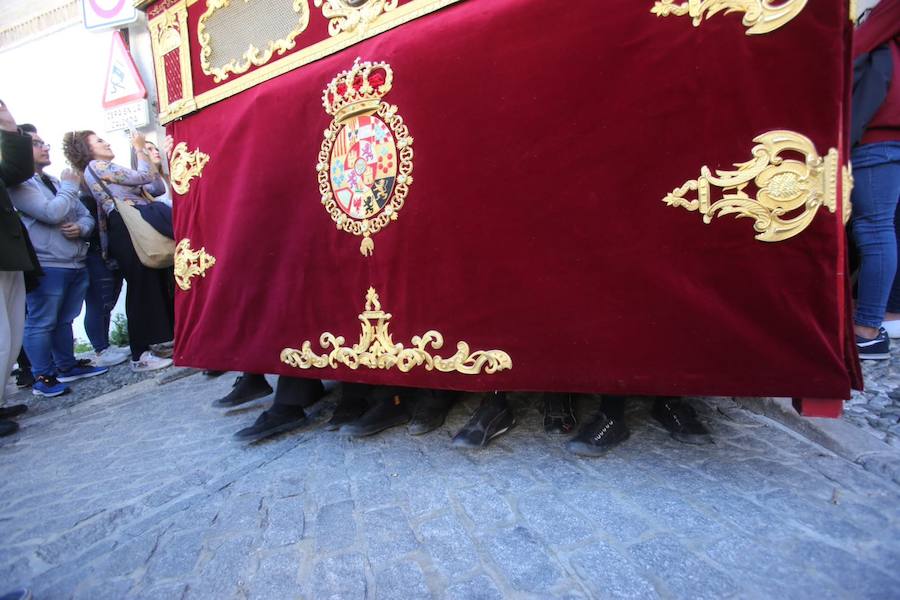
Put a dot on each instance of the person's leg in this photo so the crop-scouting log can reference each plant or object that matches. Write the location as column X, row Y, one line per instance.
column 386, row 409
column 872, row 227
column 892, row 313
column 75, row 284
column 25, row 378
column 559, row 413
column 12, row 322
column 430, row 408
column 102, row 293
column 351, row 406
column 680, row 419
column 247, row 387
column 44, row 305
column 606, row 430
column 492, row 418
column 292, row 395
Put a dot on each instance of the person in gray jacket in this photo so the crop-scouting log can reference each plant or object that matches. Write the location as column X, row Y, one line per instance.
column 58, row 224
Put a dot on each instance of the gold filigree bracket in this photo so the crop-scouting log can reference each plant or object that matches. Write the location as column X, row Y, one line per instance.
column 190, row 263
column 376, row 349
column 760, row 16
column 353, row 16
column 184, row 166
column 788, row 192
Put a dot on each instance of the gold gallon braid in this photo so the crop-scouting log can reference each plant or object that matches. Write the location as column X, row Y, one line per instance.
column 190, row 263
column 788, row 192
column 376, row 350
column 760, row 16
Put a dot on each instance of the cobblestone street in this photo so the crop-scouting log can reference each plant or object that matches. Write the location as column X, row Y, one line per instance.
column 141, row 493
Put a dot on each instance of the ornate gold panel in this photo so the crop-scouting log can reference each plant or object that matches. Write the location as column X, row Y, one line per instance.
column 184, row 166
column 353, row 16
column 229, row 45
column 786, row 193
column 760, row 16
column 376, row 349
column 170, row 42
column 190, row 263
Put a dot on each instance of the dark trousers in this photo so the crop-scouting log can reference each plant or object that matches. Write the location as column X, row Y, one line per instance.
column 297, row 392
column 149, row 296
column 102, row 294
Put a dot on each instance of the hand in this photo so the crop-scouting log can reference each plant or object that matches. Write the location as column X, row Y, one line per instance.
column 138, row 140
column 168, row 145
column 7, row 122
column 70, row 176
column 70, row 230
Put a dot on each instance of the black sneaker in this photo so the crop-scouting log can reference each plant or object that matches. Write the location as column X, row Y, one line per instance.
column 246, row 388
column 211, row 374
column 387, row 410
column 8, row 412
column 559, row 413
column 347, row 411
column 270, row 423
column 877, row 349
column 599, row 436
column 8, row 428
column 494, row 417
column 680, row 419
column 430, row 409
column 24, row 378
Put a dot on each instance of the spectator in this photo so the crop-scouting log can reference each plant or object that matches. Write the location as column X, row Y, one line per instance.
column 149, row 297
column 58, row 225
column 17, row 257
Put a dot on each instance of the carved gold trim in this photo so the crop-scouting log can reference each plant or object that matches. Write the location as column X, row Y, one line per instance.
column 253, row 56
column 783, row 186
column 184, row 166
column 760, row 16
column 343, row 108
column 346, row 18
column 169, row 31
column 847, row 189
column 402, row 14
column 190, row 263
column 376, row 349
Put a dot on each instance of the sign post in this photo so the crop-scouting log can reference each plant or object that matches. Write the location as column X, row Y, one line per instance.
column 124, row 95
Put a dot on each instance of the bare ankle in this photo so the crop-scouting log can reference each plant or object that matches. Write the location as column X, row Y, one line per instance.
column 870, row 333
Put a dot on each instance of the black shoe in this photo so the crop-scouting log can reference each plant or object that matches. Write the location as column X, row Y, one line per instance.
column 559, row 413
column 269, row 423
column 387, row 410
column 8, row 412
column 246, row 388
column 877, row 349
column 210, row 373
column 8, row 428
column 599, row 436
column 24, row 378
column 430, row 410
column 494, row 417
column 347, row 411
column 680, row 419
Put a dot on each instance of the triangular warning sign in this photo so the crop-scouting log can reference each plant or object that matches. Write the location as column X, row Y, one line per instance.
column 123, row 83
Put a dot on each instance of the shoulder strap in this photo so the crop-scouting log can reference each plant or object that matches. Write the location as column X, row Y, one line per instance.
column 102, row 184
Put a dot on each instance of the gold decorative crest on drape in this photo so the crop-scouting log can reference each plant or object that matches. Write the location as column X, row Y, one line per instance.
column 760, row 16
column 353, row 16
column 190, row 263
column 366, row 159
column 782, row 195
column 184, row 166
column 232, row 52
column 376, row 349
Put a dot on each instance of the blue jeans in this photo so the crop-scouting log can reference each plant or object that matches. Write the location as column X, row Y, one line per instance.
column 875, row 227
column 52, row 307
column 102, row 294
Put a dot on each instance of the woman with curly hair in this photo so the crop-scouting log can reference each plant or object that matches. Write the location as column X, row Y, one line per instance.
column 149, row 296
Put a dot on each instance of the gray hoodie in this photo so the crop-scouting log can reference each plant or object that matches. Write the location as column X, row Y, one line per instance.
column 43, row 212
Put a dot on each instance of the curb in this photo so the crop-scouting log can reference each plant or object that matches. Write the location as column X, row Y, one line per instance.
column 843, row 438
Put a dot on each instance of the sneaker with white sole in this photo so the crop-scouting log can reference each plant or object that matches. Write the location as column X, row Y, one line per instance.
column 80, row 371
column 48, row 387
column 876, row 349
column 149, row 362
column 110, row 356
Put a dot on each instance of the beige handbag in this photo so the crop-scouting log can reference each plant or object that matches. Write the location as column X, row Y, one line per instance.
column 153, row 249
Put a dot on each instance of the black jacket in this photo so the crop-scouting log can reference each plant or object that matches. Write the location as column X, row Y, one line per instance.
column 16, row 166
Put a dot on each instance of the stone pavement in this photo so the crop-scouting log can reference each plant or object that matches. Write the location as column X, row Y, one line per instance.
column 141, row 494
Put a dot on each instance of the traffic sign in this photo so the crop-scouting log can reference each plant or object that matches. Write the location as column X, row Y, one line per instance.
column 105, row 14
column 123, row 82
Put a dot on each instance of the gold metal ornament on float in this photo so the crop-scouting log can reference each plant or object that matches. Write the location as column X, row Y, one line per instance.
column 779, row 192
column 184, row 166
column 377, row 350
column 353, row 16
column 366, row 160
column 190, row 263
column 760, row 16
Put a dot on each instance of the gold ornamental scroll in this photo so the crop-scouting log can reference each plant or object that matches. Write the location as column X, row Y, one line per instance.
column 760, row 16
column 190, row 263
column 377, row 350
column 184, row 166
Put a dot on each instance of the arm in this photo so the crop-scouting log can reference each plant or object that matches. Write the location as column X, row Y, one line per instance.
column 84, row 220
column 113, row 173
column 29, row 199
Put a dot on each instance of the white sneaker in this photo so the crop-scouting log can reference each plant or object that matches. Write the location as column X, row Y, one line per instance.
column 149, row 362
column 113, row 355
column 892, row 328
